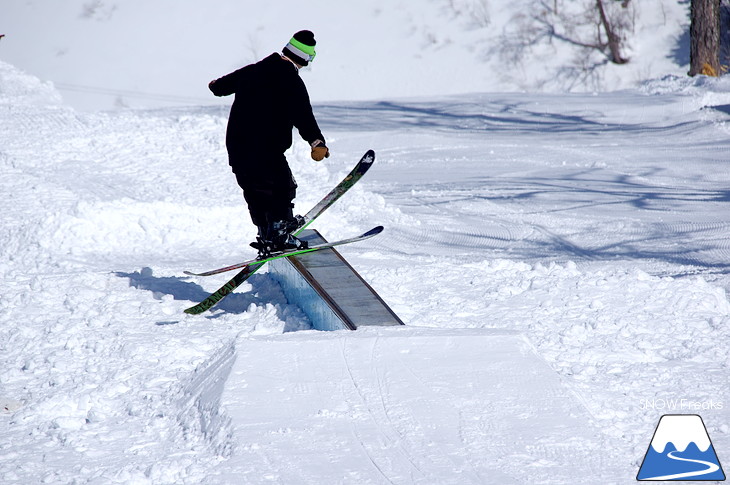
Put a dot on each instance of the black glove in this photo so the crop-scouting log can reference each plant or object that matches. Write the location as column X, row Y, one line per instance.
column 213, row 89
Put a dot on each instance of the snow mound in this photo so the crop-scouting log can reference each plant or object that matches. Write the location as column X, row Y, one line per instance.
column 19, row 88
column 710, row 94
column 685, row 85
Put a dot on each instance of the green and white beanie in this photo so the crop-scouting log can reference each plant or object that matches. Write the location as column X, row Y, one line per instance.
column 300, row 48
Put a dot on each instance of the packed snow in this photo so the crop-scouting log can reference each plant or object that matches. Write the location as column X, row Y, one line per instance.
column 590, row 226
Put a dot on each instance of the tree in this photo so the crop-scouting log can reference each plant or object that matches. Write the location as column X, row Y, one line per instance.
column 598, row 25
column 597, row 30
column 613, row 39
column 704, row 32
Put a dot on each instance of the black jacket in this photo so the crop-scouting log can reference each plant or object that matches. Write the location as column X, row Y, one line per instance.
column 270, row 100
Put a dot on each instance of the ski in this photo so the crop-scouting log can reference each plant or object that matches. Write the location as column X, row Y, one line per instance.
column 224, row 290
column 294, row 252
column 340, row 189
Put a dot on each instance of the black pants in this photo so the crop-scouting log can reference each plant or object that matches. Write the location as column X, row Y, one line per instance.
column 268, row 188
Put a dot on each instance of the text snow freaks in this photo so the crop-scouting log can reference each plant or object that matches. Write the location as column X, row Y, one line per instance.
column 679, row 404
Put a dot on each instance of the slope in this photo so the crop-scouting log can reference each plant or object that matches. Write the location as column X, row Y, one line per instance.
column 591, row 225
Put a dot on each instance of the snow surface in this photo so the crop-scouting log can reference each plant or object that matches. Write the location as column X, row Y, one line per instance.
column 103, row 54
column 587, row 232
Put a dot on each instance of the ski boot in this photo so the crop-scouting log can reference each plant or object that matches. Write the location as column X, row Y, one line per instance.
column 277, row 236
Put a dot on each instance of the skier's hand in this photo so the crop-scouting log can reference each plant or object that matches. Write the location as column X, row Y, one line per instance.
column 214, row 89
column 319, row 151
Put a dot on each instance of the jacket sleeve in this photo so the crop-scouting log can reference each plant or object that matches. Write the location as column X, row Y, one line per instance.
column 303, row 117
column 230, row 83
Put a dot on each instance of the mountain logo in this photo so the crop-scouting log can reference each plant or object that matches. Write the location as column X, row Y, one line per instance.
column 681, row 450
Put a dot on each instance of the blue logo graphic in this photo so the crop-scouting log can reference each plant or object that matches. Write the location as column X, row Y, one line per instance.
column 681, row 450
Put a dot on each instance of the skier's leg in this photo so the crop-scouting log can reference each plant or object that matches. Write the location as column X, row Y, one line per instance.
column 269, row 199
column 273, row 216
column 281, row 222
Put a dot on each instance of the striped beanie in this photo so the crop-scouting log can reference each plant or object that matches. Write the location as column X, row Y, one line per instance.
column 300, row 48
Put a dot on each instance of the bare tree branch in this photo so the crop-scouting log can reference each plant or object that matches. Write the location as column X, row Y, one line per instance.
column 597, row 29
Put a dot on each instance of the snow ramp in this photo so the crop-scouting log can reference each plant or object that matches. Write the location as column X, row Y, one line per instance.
column 329, row 291
column 404, row 405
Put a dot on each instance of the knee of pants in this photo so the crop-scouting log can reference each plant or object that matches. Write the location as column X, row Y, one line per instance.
column 268, row 213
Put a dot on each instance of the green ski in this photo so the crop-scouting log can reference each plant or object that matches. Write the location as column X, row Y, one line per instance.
column 351, row 179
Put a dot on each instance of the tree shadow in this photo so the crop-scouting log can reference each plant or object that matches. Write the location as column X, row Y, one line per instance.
column 497, row 114
column 703, row 244
column 722, row 108
column 680, row 50
column 263, row 290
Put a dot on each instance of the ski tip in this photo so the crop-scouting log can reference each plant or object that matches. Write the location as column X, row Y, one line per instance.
column 369, row 156
column 374, row 231
column 206, row 273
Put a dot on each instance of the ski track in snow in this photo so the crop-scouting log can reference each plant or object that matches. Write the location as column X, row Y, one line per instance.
column 594, row 225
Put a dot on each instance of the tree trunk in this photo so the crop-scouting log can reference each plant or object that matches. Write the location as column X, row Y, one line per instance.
column 704, row 32
column 614, row 41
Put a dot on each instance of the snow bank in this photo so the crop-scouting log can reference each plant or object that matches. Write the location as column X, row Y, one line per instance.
column 19, row 88
column 703, row 93
column 688, row 85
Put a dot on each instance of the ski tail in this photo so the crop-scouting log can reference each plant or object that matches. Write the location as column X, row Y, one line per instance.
column 224, row 290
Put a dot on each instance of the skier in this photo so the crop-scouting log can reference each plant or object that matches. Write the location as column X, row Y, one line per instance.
column 270, row 100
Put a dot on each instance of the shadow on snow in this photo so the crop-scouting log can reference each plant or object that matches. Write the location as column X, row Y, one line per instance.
column 599, row 198
column 264, row 291
column 483, row 112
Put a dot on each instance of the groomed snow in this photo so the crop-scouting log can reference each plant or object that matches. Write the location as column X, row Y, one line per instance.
column 592, row 226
